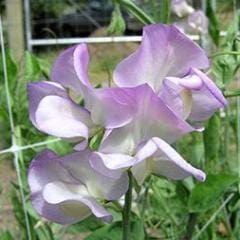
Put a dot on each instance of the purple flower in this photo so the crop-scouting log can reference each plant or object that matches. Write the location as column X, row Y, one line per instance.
column 159, row 87
column 67, row 189
column 166, row 53
column 154, row 156
column 194, row 96
column 53, row 111
column 181, row 8
column 169, row 89
column 198, row 22
column 144, row 142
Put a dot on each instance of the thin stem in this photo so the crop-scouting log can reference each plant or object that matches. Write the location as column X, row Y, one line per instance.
column 224, row 53
column 127, row 210
column 238, row 137
column 144, row 205
column 190, row 227
column 232, row 93
column 226, row 135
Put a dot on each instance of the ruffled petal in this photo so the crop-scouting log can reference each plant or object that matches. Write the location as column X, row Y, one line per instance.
column 55, row 213
column 194, row 96
column 111, row 107
column 43, row 170
column 172, row 95
column 152, row 119
column 65, row 189
column 63, row 70
column 74, row 200
column 38, row 90
column 63, row 118
column 164, row 51
column 103, row 162
column 80, row 62
column 108, row 185
column 207, row 99
column 119, row 140
column 164, row 161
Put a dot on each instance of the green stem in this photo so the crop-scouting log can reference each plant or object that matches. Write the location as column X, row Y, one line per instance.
column 127, row 210
column 224, row 53
column 226, row 136
column 231, row 93
column 144, row 204
column 238, row 137
column 190, row 227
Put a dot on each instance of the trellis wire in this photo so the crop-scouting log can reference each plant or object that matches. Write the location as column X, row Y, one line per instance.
column 17, row 148
column 13, row 139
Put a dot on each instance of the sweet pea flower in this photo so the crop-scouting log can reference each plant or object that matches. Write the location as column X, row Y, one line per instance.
column 170, row 90
column 198, row 22
column 67, row 189
column 159, row 87
column 154, row 156
column 53, row 110
column 143, row 144
column 109, row 107
column 181, row 8
column 194, row 97
column 166, row 53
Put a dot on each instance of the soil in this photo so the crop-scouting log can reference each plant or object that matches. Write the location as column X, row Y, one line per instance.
column 7, row 175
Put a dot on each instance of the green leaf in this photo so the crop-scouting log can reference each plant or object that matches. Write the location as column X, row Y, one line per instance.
column 60, row 146
column 136, row 186
column 165, row 11
column 163, row 200
column 108, row 232
column 45, row 67
column 95, row 141
column 114, row 231
column 137, row 230
column 211, row 137
column 12, row 70
column 205, row 195
column 136, row 11
column 6, row 235
column 117, row 25
column 182, row 192
column 89, row 224
column 214, row 29
column 233, row 29
column 32, row 68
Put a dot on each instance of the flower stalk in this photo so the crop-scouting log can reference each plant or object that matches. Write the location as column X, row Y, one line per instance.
column 127, row 210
